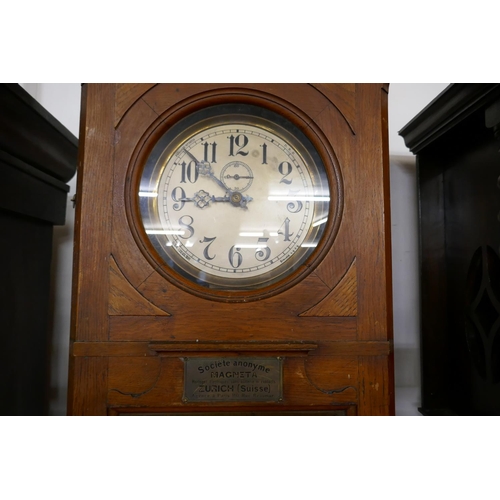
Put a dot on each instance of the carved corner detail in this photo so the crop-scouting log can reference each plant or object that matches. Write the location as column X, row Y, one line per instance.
column 127, row 95
column 342, row 301
column 124, row 299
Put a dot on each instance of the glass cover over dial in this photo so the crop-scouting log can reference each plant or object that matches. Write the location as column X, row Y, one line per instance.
column 234, row 197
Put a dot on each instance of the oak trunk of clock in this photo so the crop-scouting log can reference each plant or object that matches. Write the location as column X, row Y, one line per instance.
column 232, row 251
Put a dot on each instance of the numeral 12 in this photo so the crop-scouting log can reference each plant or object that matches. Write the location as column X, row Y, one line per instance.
column 240, row 141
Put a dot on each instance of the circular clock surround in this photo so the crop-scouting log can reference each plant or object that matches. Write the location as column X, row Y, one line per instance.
column 234, row 199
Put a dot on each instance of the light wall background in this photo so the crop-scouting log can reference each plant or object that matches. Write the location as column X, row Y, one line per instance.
column 405, row 101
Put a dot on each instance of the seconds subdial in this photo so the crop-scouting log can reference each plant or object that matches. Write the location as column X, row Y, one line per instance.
column 237, row 176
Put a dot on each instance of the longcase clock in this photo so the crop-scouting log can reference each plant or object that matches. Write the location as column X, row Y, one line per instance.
column 232, row 251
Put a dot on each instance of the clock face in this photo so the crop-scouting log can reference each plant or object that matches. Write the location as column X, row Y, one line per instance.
column 234, row 197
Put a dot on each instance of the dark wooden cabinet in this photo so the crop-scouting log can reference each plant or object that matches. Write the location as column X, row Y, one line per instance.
column 37, row 157
column 456, row 140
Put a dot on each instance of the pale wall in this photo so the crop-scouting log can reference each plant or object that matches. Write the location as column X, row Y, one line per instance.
column 405, row 101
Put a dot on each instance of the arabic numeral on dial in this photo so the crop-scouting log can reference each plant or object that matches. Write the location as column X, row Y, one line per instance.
column 294, row 206
column 206, row 249
column 212, row 150
column 285, row 230
column 240, row 141
column 185, row 222
column 189, row 172
column 235, row 257
column 264, row 153
column 263, row 252
column 178, row 195
column 285, row 169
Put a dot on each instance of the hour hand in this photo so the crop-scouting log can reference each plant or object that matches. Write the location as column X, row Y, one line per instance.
column 202, row 199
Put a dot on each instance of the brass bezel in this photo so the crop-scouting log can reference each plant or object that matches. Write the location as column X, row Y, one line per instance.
column 279, row 283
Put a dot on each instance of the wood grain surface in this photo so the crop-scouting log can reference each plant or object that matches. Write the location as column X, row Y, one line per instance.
column 134, row 320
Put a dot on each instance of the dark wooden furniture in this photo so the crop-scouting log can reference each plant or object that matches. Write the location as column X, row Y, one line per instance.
column 456, row 142
column 37, row 157
column 134, row 330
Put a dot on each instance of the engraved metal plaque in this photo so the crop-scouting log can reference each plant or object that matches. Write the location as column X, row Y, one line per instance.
column 233, row 379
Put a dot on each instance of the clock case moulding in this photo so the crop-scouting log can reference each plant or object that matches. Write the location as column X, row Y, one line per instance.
column 337, row 305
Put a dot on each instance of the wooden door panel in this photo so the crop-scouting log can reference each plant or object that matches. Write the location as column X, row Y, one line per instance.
column 133, row 325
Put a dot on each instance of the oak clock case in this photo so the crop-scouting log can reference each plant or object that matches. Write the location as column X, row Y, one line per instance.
column 233, row 197
column 223, row 229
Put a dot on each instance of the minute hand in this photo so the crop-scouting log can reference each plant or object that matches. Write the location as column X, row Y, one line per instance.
column 204, row 168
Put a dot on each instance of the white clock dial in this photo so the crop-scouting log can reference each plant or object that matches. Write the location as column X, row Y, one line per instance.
column 235, row 201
